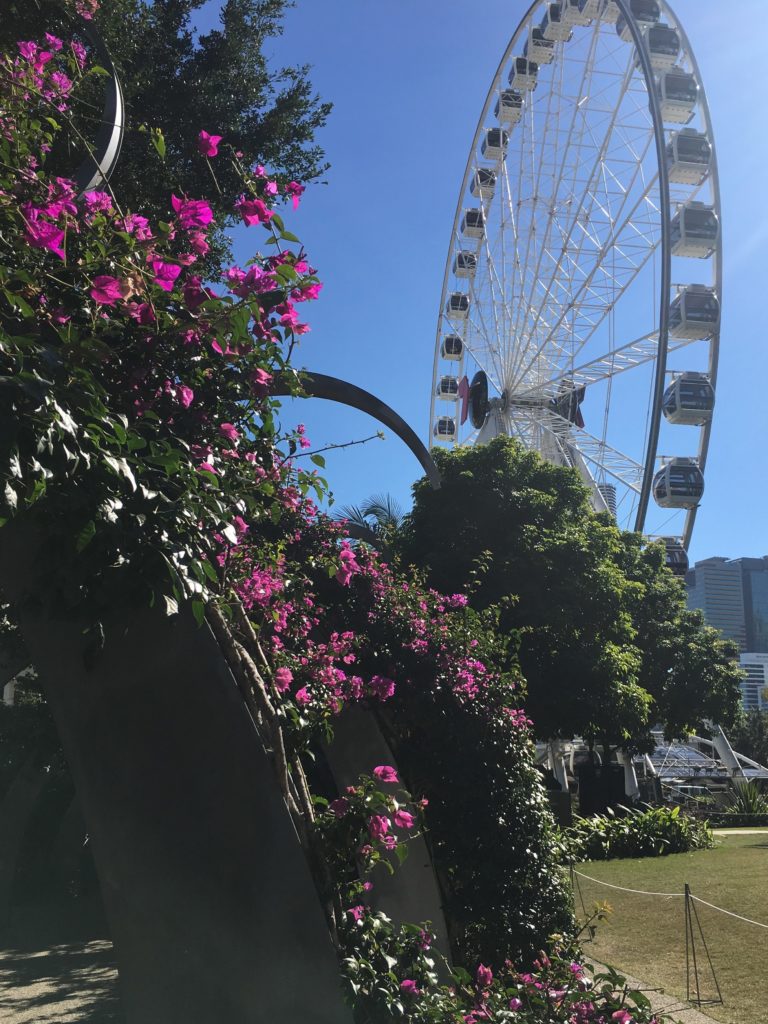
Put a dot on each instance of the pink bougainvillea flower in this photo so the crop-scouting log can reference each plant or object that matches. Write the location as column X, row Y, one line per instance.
column 302, row 696
column 27, row 49
column 283, row 679
column 207, row 144
column 295, row 191
column 253, row 211
column 404, row 819
column 229, row 431
column 382, row 688
column 108, row 290
column 40, row 234
column 378, row 826
column 80, row 53
column 142, row 312
column 260, row 171
column 622, row 1017
column 339, row 807
column 515, row 1003
column 98, row 202
column 165, row 274
column 136, row 225
column 385, row 773
column 198, row 242
column 192, row 213
column 260, row 381
column 271, row 188
column 207, row 467
column 409, row 986
column 53, row 41
column 357, row 913
column 484, row 976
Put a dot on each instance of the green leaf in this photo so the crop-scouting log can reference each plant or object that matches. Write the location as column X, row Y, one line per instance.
column 171, row 606
column 85, row 536
column 318, row 460
column 158, row 141
column 198, row 610
column 288, row 236
column 402, row 852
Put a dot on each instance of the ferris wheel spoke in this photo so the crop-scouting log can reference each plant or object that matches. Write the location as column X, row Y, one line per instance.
column 604, row 457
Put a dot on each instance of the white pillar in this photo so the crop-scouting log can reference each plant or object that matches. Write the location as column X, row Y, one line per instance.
column 631, row 787
column 9, row 693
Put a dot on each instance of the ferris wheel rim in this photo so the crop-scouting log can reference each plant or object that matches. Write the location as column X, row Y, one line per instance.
column 661, row 131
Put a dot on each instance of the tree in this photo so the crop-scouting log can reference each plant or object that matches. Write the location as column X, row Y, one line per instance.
column 607, row 646
column 181, row 83
column 750, row 735
column 376, row 521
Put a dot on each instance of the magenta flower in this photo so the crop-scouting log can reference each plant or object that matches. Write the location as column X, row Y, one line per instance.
column 409, row 987
column 484, row 976
column 27, row 49
column 192, row 213
column 142, row 312
column 385, row 773
column 357, row 913
column 382, row 688
column 622, row 1017
column 229, row 431
column 295, row 191
column 53, row 41
column 107, row 290
column 260, row 381
column 42, row 234
column 185, row 395
column 207, row 144
column 253, row 211
column 339, row 807
column 283, row 679
column 80, row 53
column 378, row 826
column 165, row 274
column 271, row 188
column 302, row 696
column 515, row 1003
column 403, row 819
column 98, row 202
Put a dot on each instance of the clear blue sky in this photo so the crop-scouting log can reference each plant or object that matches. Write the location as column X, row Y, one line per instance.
column 408, row 80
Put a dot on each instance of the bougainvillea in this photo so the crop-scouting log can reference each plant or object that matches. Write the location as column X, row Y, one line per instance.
column 140, row 441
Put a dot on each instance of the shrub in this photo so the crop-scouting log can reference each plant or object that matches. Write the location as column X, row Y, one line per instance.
column 653, row 832
column 747, row 799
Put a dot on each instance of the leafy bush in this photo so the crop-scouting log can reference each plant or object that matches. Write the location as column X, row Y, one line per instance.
column 653, row 832
column 747, row 799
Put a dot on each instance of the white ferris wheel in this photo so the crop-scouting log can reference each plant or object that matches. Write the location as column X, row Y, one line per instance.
column 580, row 310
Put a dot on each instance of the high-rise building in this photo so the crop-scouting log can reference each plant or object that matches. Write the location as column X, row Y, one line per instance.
column 733, row 594
column 754, row 688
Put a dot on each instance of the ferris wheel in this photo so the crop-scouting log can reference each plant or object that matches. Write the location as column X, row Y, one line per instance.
column 580, row 308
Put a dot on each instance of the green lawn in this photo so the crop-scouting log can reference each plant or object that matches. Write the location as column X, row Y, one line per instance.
column 645, row 935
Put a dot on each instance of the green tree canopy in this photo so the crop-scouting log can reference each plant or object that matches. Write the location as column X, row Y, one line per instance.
column 607, row 645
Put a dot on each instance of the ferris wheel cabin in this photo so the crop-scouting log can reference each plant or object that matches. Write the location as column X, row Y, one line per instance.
column 689, row 157
column 695, row 230
column 465, row 264
column 554, row 26
column 448, row 388
column 473, row 224
column 576, row 13
column 494, row 145
column 645, row 12
column 679, row 484
column 539, row 49
column 483, row 183
column 445, row 429
column 509, row 107
column 457, row 306
column 689, row 400
column 679, row 94
column 524, row 75
column 452, row 347
column 663, row 44
column 675, row 556
column 694, row 313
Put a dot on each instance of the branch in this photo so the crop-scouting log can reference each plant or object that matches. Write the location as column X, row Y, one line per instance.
column 349, row 444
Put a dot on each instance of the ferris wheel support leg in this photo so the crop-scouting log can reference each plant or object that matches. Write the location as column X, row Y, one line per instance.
column 557, row 763
column 725, row 752
column 631, row 786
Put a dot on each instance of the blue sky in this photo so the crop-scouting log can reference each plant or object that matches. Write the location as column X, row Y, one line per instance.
column 408, row 81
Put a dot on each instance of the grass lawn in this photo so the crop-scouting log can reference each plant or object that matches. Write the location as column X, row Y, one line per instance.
column 645, row 935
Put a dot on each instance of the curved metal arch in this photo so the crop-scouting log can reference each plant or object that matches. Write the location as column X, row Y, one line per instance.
column 320, row 385
column 99, row 164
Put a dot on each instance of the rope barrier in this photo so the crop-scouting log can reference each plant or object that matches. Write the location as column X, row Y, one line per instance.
column 729, row 912
column 621, row 888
